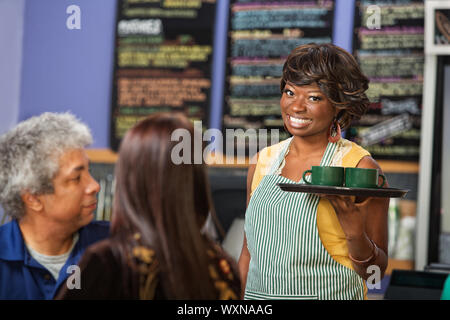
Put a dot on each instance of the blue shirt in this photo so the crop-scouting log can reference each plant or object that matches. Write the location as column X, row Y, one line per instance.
column 22, row 277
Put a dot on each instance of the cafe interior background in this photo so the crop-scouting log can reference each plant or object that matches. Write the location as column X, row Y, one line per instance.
column 112, row 62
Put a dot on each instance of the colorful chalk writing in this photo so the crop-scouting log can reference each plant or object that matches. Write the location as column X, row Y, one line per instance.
column 163, row 58
column 261, row 36
column 392, row 57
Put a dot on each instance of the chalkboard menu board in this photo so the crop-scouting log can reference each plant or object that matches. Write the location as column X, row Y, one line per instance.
column 163, row 56
column 261, row 36
column 389, row 45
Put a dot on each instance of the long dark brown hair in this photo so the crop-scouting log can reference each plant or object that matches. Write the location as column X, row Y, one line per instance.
column 166, row 204
column 337, row 74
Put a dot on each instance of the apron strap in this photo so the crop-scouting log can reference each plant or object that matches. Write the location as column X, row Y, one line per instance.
column 276, row 164
column 325, row 161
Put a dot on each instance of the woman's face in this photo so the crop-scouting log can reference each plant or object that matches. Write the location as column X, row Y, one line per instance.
column 306, row 111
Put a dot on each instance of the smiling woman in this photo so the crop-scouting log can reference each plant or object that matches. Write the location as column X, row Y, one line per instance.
column 334, row 74
column 297, row 100
column 300, row 245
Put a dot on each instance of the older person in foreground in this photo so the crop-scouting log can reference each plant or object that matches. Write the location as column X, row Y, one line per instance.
column 46, row 188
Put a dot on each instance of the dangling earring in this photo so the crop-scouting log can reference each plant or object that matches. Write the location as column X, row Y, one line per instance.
column 335, row 132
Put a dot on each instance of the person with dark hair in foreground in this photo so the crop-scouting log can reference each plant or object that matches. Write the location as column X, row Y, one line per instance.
column 299, row 245
column 157, row 249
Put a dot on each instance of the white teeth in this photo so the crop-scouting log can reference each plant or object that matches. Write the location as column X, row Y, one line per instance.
column 296, row 120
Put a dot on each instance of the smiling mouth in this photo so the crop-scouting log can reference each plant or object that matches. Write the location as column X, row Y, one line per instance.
column 298, row 122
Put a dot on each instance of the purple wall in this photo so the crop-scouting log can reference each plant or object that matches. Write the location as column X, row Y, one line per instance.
column 11, row 34
column 343, row 24
column 69, row 70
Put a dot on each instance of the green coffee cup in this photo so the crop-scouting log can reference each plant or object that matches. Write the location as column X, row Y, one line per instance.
column 325, row 176
column 363, row 178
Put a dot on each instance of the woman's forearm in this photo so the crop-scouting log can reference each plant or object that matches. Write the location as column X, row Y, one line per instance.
column 361, row 249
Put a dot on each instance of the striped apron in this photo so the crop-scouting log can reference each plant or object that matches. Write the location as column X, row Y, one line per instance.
column 287, row 258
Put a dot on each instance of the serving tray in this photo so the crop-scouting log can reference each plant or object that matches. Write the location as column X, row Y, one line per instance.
column 345, row 191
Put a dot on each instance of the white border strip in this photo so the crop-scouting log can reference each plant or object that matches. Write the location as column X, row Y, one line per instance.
column 427, row 133
column 426, row 161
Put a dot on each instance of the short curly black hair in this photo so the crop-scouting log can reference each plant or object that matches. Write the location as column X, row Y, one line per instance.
column 337, row 74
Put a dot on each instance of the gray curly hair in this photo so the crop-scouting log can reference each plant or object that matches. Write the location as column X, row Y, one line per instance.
column 29, row 156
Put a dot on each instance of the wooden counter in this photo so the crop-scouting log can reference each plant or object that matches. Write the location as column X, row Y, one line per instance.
column 109, row 156
column 399, row 265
